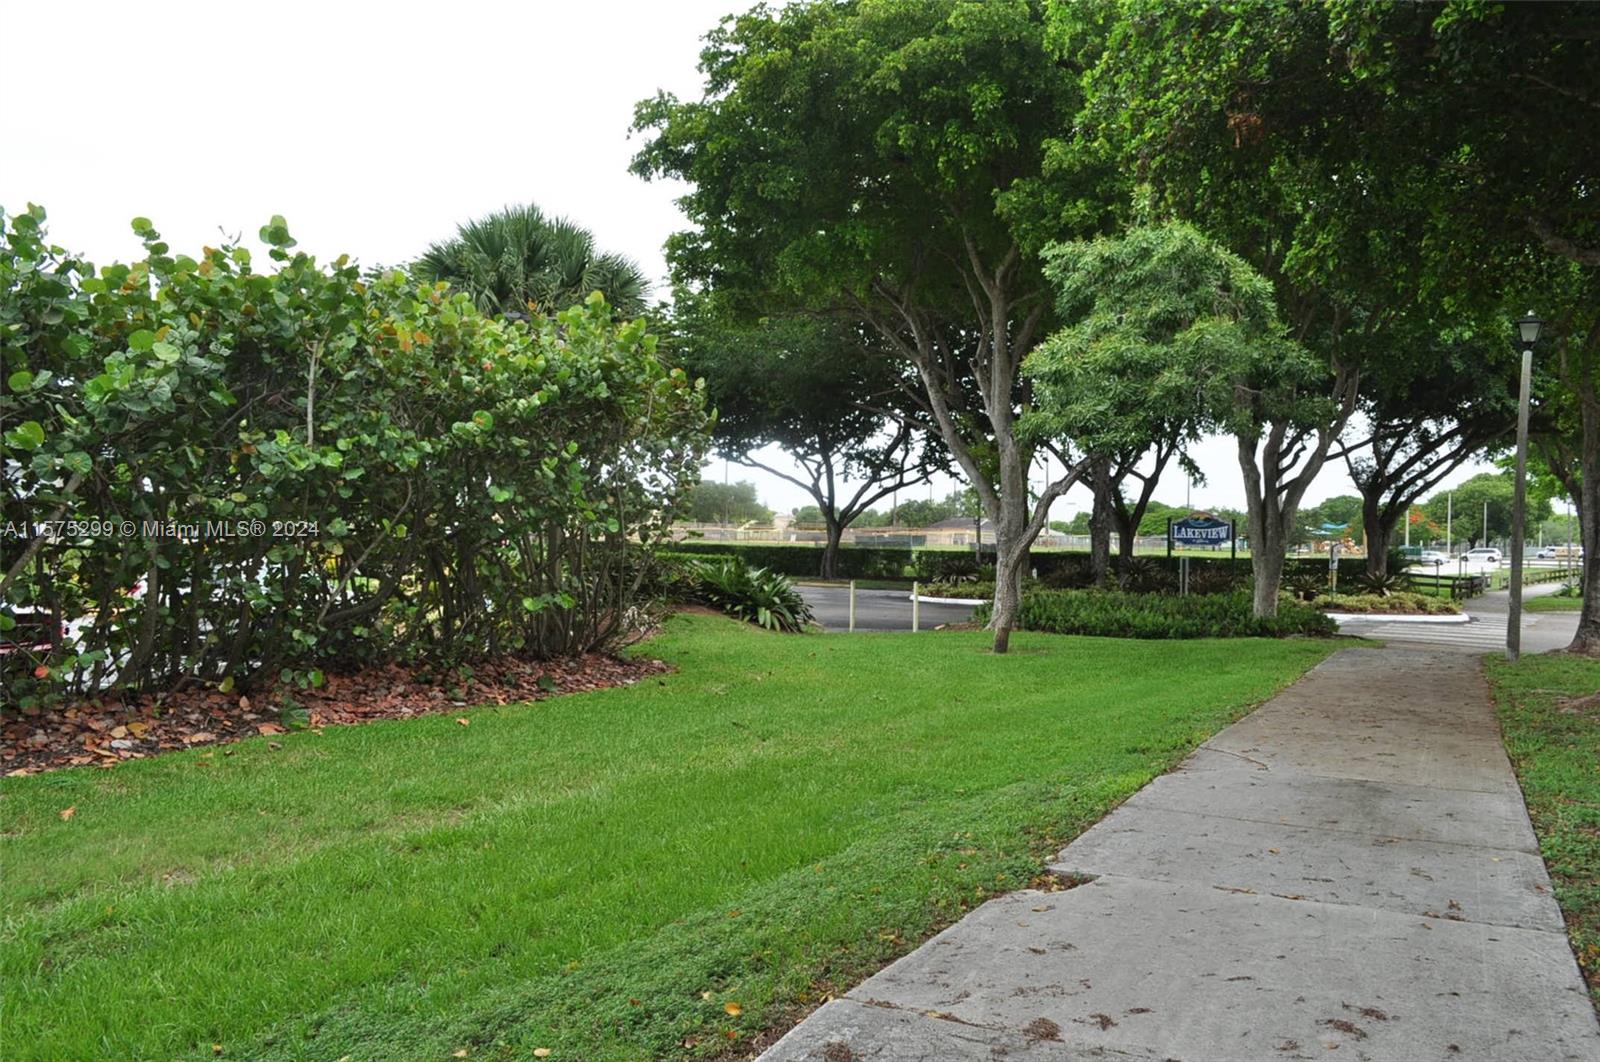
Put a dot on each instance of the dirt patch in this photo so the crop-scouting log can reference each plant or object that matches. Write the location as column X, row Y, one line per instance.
column 1369, row 1012
column 837, row 1052
column 1042, row 1029
column 103, row 733
column 1349, row 1028
column 1103, row 1021
column 1579, row 705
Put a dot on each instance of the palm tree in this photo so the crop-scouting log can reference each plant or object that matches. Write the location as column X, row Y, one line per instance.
column 518, row 262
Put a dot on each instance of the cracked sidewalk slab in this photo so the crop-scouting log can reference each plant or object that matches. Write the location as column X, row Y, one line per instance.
column 1350, row 868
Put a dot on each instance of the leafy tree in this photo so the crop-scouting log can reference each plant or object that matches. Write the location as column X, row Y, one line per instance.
column 1166, row 323
column 1094, row 393
column 1463, row 506
column 1426, row 415
column 816, row 388
column 724, row 503
column 1250, row 121
column 918, row 512
column 1476, row 90
column 518, row 262
column 888, row 162
column 1156, row 516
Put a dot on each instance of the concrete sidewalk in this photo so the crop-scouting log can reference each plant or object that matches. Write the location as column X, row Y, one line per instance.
column 1348, row 869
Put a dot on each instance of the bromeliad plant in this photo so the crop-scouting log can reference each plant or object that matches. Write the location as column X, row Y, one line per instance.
column 754, row 595
column 270, row 471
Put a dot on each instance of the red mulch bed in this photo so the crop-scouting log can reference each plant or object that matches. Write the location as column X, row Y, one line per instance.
column 105, row 733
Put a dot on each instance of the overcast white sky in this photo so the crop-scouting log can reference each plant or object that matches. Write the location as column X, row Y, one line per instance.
column 373, row 128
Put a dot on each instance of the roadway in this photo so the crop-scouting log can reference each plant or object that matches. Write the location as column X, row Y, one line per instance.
column 877, row 610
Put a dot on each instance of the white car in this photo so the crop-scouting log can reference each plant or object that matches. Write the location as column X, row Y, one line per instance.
column 1547, row 553
column 1483, row 554
column 1431, row 558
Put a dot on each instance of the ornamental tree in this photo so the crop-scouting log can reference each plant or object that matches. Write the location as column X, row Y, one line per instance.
column 1169, row 333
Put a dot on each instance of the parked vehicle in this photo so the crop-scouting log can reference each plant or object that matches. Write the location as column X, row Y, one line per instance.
column 1483, row 554
column 1547, row 553
column 1430, row 558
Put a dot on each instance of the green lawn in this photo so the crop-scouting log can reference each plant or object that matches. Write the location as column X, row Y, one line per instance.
column 1556, row 749
column 600, row 874
column 1551, row 603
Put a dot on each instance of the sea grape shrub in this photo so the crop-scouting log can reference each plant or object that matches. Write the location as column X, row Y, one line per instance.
column 316, row 464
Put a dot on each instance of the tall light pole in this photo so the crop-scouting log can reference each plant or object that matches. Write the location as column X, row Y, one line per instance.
column 1528, row 330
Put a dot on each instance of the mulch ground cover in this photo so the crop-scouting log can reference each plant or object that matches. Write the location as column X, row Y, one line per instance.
column 103, row 733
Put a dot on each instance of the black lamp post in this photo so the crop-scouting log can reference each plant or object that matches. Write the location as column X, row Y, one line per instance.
column 1528, row 328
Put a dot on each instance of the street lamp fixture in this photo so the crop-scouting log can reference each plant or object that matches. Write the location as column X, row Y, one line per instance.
column 1528, row 329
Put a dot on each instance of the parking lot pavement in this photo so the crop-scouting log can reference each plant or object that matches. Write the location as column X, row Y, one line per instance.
column 877, row 610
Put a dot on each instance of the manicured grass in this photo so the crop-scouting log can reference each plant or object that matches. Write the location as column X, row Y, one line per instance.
column 1555, row 746
column 1551, row 603
column 599, row 874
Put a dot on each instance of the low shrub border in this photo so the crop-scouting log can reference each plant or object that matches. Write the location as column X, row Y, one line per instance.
column 1115, row 614
column 1404, row 604
column 804, row 559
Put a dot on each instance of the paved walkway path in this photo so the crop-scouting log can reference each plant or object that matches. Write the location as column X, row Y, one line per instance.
column 1349, row 869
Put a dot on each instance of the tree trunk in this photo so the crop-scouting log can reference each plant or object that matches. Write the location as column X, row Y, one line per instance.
column 830, row 550
column 1378, row 535
column 1125, row 533
column 1100, row 523
column 1266, row 564
column 1007, row 596
column 1587, row 639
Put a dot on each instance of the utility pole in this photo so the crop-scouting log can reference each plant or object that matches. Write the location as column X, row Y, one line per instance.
column 1529, row 327
column 1449, row 515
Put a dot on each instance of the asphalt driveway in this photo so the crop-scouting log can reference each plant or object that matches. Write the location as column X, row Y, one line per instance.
column 877, row 610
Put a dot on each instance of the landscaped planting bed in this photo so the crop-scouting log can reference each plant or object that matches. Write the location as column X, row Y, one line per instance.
column 1121, row 615
column 1402, row 603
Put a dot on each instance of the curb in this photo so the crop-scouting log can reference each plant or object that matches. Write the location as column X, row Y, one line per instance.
column 926, row 600
column 1399, row 617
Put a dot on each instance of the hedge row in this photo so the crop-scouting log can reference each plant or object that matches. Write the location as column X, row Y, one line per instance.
column 805, row 561
column 1114, row 614
column 934, row 565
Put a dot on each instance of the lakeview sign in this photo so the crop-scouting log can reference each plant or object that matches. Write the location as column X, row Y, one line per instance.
column 1199, row 531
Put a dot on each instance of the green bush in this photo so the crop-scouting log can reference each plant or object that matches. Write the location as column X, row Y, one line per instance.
column 312, row 465
column 946, row 565
column 1392, row 581
column 802, row 561
column 975, row 590
column 1116, row 614
column 754, row 595
column 1401, row 603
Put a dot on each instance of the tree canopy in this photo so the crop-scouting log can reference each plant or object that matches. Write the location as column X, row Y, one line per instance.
column 518, row 262
column 887, row 160
column 817, row 388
